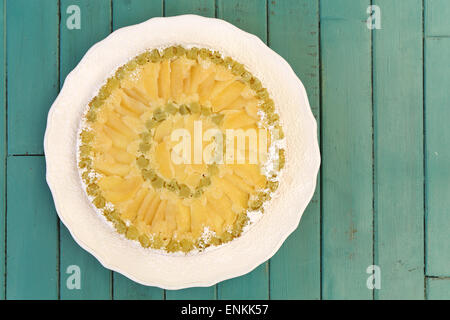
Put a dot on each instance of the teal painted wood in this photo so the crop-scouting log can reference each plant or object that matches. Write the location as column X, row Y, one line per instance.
column 3, row 151
column 32, row 28
column 294, row 34
column 398, row 145
column 205, row 8
column 95, row 25
column 438, row 288
column 126, row 12
column 251, row 17
column 437, row 156
column 32, row 232
column 436, row 17
column 346, row 149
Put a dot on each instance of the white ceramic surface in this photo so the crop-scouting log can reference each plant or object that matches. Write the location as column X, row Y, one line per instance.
column 283, row 213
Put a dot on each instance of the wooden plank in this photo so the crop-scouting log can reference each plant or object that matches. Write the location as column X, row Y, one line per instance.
column 437, row 156
column 204, row 8
column 294, row 34
column 436, row 17
column 398, row 131
column 125, row 13
column 95, row 25
column 32, row 233
column 32, row 28
column 346, row 149
column 250, row 16
column 3, row 150
column 438, row 288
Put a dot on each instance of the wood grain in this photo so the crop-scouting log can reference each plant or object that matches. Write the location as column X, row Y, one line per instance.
column 32, row 29
column 437, row 156
column 32, row 237
column 436, row 17
column 398, row 125
column 294, row 34
column 346, row 150
column 3, row 151
column 438, row 288
column 95, row 25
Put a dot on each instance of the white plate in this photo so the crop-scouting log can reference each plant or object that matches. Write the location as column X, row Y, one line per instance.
column 283, row 213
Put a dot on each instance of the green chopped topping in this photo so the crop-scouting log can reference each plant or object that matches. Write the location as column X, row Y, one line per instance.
column 148, row 174
column 198, row 192
column 99, row 202
column 172, row 185
column 206, row 111
column 204, row 53
column 159, row 115
column 217, row 119
column 113, row 83
column 157, row 182
column 195, row 107
column 184, row 109
column 246, row 76
column 170, row 108
column 215, row 241
column 185, row 191
column 145, row 136
column 85, row 149
column 85, row 163
column 93, row 189
column 272, row 185
column 150, row 124
column 157, row 243
column 186, row 245
column 142, row 162
column 96, row 102
column 121, row 227
column 272, row 118
column 144, row 146
column 104, row 92
column 86, row 136
column 282, row 158
column 144, row 240
column 169, row 52
column 256, row 204
column 173, row 246
column 142, row 58
column 155, row 56
column 226, row 237
column 130, row 66
column 262, row 94
column 85, row 176
column 179, row 50
column 192, row 53
column 120, row 73
column 132, row 233
column 91, row 116
column 204, row 182
column 213, row 169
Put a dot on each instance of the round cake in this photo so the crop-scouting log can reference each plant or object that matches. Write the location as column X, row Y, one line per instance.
column 180, row 148
column 181, row 152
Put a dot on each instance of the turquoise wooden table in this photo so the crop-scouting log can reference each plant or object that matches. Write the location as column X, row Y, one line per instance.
column 378, row 80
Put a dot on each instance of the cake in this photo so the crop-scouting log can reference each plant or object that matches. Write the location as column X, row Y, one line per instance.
column 167, row 150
